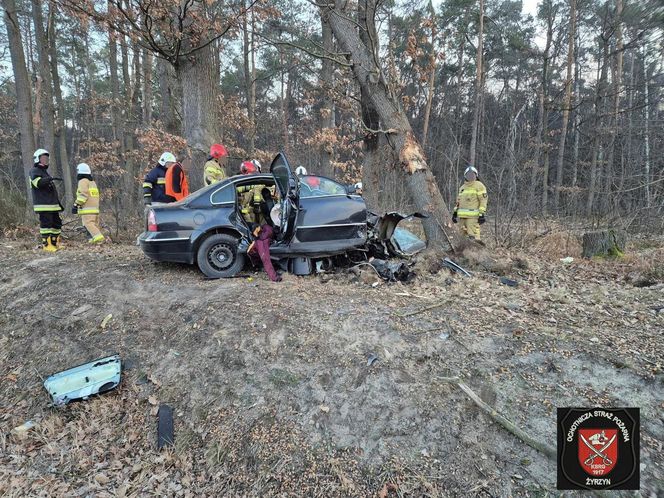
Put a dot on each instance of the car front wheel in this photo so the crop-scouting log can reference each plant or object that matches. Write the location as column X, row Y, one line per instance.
column 218, row 256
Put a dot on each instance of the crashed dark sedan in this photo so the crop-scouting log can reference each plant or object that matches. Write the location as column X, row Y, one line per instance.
column 314, row 218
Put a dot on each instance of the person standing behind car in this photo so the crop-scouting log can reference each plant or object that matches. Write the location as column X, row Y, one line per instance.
column 154, row 184
column 214, row 171
column 87, row 203
column 45, row 201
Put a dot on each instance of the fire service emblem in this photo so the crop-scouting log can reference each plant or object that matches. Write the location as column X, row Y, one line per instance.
column 598, row 448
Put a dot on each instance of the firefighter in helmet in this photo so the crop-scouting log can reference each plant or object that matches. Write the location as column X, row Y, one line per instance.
column 214, row 171
column 87, row 203
column 154, row 184
column 45, row 201
column 471, row 204
column 251, row 195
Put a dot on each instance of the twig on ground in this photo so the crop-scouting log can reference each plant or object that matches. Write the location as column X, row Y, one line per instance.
column 422, row 310
column 507, row 424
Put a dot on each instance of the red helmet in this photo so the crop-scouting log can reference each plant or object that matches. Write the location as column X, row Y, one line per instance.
column 217, row 151
column 249, row 167
column 312, row 181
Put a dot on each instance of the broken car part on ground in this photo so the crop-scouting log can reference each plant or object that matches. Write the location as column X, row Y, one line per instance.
column 83, row 381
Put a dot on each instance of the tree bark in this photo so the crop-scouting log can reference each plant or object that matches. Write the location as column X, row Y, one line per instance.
column 646, row 138
column 431, row 80
column 43, row 72
column 415, row 172
column 167, row 89
column 22, row 84
column 147, row 87
column 200, row 84
column 327, row 111
column 248, row 45
column 567, row 101
column 116, row 104
column 60, row 127
column 542, row 121
column 478, row 87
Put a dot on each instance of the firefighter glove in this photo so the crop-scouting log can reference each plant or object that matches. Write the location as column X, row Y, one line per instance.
column 74, row 209
column 454, row 217
column 481, row 219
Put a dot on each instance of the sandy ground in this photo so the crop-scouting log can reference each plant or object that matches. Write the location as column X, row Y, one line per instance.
column 271, row 387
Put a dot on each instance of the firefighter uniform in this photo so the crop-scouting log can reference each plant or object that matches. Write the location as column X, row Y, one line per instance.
column 250, row 199
column 87, row 202
column 47, row 206
column 470, row 206
column 154, row 186
column 213, row 172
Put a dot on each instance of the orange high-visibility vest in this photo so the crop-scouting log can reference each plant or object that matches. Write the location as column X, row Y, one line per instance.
column 176, row 182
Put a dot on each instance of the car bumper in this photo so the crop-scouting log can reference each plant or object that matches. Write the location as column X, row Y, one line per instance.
column 166, row 247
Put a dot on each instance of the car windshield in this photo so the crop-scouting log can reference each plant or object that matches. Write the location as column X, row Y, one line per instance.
column 316, row 186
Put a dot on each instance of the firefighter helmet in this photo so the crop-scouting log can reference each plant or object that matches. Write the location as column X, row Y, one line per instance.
column 248, row 167
column 217, row 151
column 83, row 169
column 38, row 153
column 167, row 157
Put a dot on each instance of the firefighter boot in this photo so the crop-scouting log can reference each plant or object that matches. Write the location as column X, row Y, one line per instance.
column 46, row 244
column 54, row 242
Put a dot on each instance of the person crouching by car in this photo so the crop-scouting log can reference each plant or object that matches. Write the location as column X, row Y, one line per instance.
column 260, row 249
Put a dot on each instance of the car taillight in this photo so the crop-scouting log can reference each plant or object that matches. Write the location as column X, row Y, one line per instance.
column 152, row 221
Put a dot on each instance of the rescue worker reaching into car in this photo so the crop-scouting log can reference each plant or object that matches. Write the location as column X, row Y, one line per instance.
column 45, row 201
column 154, row 184
column 251, row 196
column 471, row 204
column 214, row 172
column 86, row 204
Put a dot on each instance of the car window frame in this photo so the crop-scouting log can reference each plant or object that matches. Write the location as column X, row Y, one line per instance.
column 344, row 194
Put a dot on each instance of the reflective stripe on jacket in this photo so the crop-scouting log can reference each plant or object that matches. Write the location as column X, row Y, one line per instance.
column 472, row 200
column 154, row 185
column 87, row 197
column 44, row 194
column 214, row 173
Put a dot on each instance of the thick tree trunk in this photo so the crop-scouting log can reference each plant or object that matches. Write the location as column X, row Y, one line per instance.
column 200, row 84
column 60, row 128
column 116, row 104
column 167, row 89
column 44, row 74
column 417, row 176
column 605, row 243
column 478, row 87
column 327, row 111
column 248, row 46
column 431, row 80
column 22, row 84
column 567, row 100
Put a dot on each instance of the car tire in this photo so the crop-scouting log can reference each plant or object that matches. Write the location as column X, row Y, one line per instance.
column 218, row 256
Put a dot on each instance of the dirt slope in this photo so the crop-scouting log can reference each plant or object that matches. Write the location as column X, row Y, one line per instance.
column 272, row 391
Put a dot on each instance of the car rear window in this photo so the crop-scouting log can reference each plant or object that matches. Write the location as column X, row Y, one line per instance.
column 226, row 194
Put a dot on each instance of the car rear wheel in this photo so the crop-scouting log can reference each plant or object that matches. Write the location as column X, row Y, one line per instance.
column 218, row 256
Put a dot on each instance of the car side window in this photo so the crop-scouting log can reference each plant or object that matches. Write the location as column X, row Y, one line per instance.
column 226, row 194
column 316, row 186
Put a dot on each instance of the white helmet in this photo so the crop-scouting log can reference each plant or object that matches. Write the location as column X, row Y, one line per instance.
column 471, row 169
column 300, row 171
column 83, row 169
column 167, row 157
column 38, row 153
column 358, row 186
column 258, row 165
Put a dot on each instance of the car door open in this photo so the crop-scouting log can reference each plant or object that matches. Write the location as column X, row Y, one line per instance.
column 288, row 186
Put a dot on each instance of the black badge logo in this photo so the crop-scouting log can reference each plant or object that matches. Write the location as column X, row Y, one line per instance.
column 598, row 448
